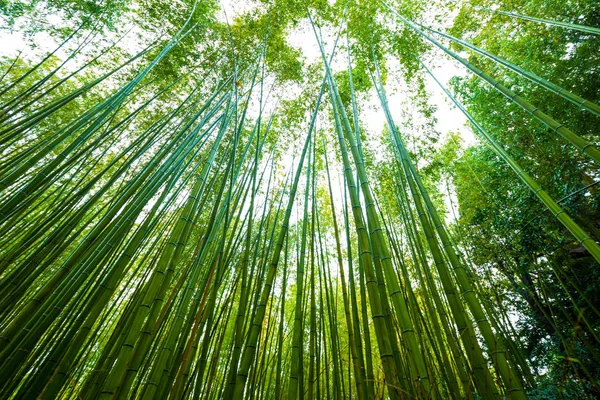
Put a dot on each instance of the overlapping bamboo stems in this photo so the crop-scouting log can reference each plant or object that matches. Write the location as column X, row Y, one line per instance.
column 415, row 358
column 338, row 381
column 279, row 371
column 19, row 156
column 363, row 318
column 413, row 311
column 158, row 367
column 97, row 117
column 568, row 342
column 101, row 140
column 215, row 264
column 261, row 370
column 443, row 360
column 133, row 350
column 68, row 284
column 96, row 303
column 296, row 383
column 174, row 165
column 132, row 188
column 502, row 327
column 427, row 282
column 571, row 137
column 189, row 315
column 573, row 98
column 31, row 189
column 482, row 377
column 8, row 111
column 550, row 204
column 214, row 271
column 368, row 374
column 353, row 342
column 221, row 265
column 30, row 71
column 202, row 389
column 267, row 249
column 518, row 363
column 544, row 309
column 244, row 267
column 315, row 327
column 567, row 25
column 145, row 140
column 262, row 241
column 14, row 129
column 400, row 360
column 64, row 342
column 82, row 253
column 19, row 100
column 364, row 248
column 262, row 374
column 495, row 345
column 255, row 328
column 546, row 199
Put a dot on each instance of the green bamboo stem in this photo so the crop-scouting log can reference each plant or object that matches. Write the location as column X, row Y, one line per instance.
column 357, row 360
column 567, row 25
column 253, row 335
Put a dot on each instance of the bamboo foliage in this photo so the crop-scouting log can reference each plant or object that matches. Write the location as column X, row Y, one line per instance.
column 556, row 210
column 581, row 144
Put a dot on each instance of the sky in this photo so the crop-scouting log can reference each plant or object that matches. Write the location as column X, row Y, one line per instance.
column 449, row 118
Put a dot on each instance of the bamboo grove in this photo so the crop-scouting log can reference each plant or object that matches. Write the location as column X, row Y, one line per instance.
column 175, row 236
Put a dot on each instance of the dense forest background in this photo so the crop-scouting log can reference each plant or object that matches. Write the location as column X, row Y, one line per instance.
column 299, row 199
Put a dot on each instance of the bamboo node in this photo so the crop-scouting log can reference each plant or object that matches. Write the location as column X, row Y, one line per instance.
column 584, row 148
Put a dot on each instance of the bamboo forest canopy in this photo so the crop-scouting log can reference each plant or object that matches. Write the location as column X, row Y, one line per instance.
column 281, row 199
